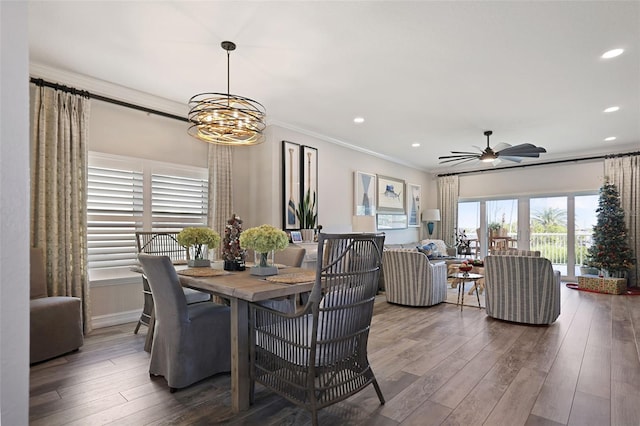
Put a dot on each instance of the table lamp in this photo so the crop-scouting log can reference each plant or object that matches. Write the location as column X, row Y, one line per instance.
column 430, row 216
column 363, row 223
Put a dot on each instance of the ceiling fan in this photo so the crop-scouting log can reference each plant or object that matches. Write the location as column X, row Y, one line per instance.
column 502, row 151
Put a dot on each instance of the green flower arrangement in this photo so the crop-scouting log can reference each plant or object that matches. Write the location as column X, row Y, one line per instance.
column 264, row 238
column 198, row 237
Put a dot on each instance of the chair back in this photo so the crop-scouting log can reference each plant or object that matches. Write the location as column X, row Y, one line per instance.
column 38, row 275
column 291, row 256
column 170, row 301
column 162, row 244
column 343, row 295
column 522, row 289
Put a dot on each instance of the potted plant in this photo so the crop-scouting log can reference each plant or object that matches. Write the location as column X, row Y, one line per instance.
column 307, row 215
column 264, row 240
column 494, row 229
column 232, row 253
column 197, row 241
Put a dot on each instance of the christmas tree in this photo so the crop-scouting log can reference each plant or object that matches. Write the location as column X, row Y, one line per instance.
column 610, row 250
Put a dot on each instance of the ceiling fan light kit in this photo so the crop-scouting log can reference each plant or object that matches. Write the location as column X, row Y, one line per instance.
column 226, row 119
column 512, row 153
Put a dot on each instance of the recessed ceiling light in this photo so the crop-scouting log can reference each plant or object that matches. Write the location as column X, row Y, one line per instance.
column 415, row 144
column 358, row 120
column 610, row 138
column 612, row 53
column 612, row 109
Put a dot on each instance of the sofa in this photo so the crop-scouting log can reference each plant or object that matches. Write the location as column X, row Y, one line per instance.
column 412, row 279
column 55, row 322
column 523, row 289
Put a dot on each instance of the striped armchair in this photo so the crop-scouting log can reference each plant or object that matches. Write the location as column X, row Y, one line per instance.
column 522, row 289
column 411, row 279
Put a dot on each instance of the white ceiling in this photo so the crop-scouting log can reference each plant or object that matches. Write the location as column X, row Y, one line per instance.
column 436, row 73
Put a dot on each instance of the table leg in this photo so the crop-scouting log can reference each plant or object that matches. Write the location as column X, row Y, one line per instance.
column 240, row 380
column 477, row 293
column 462, row 283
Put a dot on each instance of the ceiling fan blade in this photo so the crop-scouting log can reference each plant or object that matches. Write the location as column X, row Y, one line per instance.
column 461, row 159
column 501, row 146
column 464, row 152
column 457, row 156
column 514, row 159
column 466, row 161
column 522, row 150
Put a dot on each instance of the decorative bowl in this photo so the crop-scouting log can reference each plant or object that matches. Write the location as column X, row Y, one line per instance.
column 465, row 268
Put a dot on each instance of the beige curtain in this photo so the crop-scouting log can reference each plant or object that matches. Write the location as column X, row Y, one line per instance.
column 58, row 191
column 624, row 173
column 448, row 191
column 220, row 189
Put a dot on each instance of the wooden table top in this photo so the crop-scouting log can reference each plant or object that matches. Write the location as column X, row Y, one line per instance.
column 243, row 285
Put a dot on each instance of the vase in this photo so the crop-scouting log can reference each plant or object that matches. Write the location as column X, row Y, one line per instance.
column 234, row 265
column 264, row 264
column 199, row 263
column 307, row 235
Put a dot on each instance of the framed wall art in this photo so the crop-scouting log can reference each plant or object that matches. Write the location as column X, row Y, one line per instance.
column 390, row 195
column 414, row 194
column 309, row 171
column 391, row 221
column 290, row 184
column 364, row 194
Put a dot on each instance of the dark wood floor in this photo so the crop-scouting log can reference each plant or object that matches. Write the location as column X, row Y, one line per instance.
column 436, row 366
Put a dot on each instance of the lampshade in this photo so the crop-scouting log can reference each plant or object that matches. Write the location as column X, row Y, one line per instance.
column 226, row 119
column 363, row 223
column 431, row 215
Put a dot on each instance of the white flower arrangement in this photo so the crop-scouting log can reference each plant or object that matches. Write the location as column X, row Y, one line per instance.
column 264, row 238
column 198, row 237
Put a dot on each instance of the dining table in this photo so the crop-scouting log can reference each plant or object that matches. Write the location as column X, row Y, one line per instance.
column 242, row 288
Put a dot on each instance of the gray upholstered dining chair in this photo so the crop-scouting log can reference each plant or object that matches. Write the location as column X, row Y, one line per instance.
column 318, row 356
column 162, row 244
column 293, row 255
column 191, row 342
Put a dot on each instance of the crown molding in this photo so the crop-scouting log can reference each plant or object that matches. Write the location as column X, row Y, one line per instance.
column 107, row 89
column 344, row 144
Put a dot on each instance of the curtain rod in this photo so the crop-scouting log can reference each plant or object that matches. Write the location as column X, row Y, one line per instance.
column 63, row 88
column 600, row 157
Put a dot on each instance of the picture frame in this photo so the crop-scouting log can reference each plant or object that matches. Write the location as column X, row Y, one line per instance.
column 291, row 190
column 387, row 222
column 414, row 206
column 390, row 195
column 309, row 172
column 296, row 236
column 364, row 194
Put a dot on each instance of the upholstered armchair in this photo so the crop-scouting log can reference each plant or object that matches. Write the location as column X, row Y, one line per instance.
column 55, row 322
column 412, row 279
column 522, row 289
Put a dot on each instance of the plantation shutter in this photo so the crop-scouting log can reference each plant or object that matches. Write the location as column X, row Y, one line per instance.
column 114, row 213
column 178, row 202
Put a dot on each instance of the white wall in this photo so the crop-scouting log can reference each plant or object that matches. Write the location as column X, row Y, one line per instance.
column 124, row 131
column 258, row 182
column 14, row 211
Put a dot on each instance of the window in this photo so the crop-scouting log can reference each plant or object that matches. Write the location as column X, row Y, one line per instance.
column 126, row 195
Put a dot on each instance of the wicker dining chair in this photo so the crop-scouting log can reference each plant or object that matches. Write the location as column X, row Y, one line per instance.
column 318, row 356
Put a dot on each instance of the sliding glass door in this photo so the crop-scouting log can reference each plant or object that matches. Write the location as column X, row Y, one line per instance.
column 548, row 232
column 559, row 226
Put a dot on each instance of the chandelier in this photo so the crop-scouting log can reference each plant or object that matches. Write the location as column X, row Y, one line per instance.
column 226, row 119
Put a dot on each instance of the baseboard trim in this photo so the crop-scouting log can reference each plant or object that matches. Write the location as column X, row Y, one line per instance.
column 101, row 321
